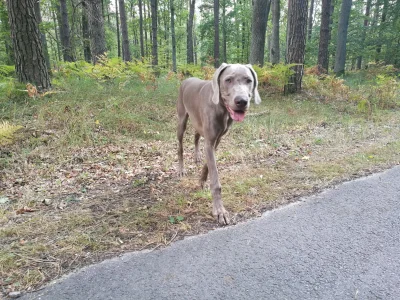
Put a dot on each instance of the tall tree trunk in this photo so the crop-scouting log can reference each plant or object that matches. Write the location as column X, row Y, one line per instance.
column 258, row 28
column 195, row 48
column 216, row 33
column 190, row 56
column 85, row 33
column 65, row 32
column 331, row 52
column 96, row 30
column 30, row 63
column 364, row 32
column 296, row 42
column 275, row 49
column 42, row 35
column 126, row 52
column 5, row 24
column 154, row 49
column 54, row 17
column 224, row 38
column 118, row 35
column 382, row 27
column 141, row 29
column 310, row 19
column 323, row 51
column 173, row 41
column 340, row 57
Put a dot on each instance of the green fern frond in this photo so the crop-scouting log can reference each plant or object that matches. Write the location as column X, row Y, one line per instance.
column 7, row 131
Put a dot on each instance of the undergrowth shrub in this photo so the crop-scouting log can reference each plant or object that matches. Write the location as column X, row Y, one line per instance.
column 106, row 69
column 373, row 90
column 273, row 78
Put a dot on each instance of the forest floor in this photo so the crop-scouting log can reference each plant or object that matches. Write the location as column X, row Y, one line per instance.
column 93, row 172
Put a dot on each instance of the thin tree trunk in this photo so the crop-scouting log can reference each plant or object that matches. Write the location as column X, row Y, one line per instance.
column 141, row 29
column 4, row 20
column 275, row 49
column 65, row 32
column 85, row 33
column 42, row 35
column 126, row 52
column 340, row 57
column 331, row 52
column 173, row 41
column 323, row 51
column 258, row 29
column 224, row 38
column 96, row 30
column 296, row 42
column 381, row 29
column 364, row 32
column 118, row 35
column 310, row 19
column 154, row 51
column 30, row 63
column 216, row 33
column 189, row 44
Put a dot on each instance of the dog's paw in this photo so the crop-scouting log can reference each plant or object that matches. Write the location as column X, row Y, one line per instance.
column 197, row 158
column 182, row 173
column 221, row 215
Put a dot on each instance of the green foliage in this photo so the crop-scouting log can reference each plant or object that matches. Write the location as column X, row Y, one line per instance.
column 6, row 71
column 106, row 69
column 7, row 131
column 274, row 77
column 376, row 88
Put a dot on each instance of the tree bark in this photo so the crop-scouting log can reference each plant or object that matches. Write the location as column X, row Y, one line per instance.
column 310, row 19
column 340, row 57
column 42, row 35
column 275, row 49
column 216, row 33
column 364, row 32
column 296, row 43
column 382, row 27
column 126, row 52
column 85, row 33
column 190, row 55
column 4, row 20
column 30, row 63
column 258, row 28
column 141, row 29
column 173, row 41
column 224, row 38
column 96, row 30
column 65, row 32
column 323, row 51
column 154, row 49
column 118, row 35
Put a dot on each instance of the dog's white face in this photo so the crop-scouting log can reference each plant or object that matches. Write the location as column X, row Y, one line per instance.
column 236, row 84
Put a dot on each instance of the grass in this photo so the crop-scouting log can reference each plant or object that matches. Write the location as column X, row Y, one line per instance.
column 97, row 163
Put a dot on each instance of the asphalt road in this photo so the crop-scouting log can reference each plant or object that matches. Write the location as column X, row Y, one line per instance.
column 340, row 244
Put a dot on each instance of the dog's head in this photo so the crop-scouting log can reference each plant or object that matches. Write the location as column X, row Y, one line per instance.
column 234, row 85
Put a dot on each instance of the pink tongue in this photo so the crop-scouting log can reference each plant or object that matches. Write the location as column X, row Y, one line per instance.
column 238, row 116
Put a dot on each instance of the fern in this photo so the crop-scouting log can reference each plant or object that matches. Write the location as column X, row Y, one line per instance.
column 7, row 132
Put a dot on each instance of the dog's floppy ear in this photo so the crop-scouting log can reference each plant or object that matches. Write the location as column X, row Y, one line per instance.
column 257, row 98
column 215, row 83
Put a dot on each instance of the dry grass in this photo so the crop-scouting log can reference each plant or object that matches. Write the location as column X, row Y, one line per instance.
column 100, row 176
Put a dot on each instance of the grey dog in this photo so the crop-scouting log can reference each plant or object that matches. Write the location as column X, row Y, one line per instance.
column 211, row 107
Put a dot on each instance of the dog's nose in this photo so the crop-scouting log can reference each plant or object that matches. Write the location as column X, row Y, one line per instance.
column 240, row 101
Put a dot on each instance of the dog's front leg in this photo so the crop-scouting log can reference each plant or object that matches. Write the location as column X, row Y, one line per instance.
column 219, row 211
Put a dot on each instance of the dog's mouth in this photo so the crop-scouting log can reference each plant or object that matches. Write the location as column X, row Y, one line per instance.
column 236, row 115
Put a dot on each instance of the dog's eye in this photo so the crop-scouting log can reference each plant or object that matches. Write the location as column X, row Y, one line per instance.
column 228, row 80
column 249, row 80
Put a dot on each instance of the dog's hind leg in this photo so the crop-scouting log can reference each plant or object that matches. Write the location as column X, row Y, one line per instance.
column 197, row 155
